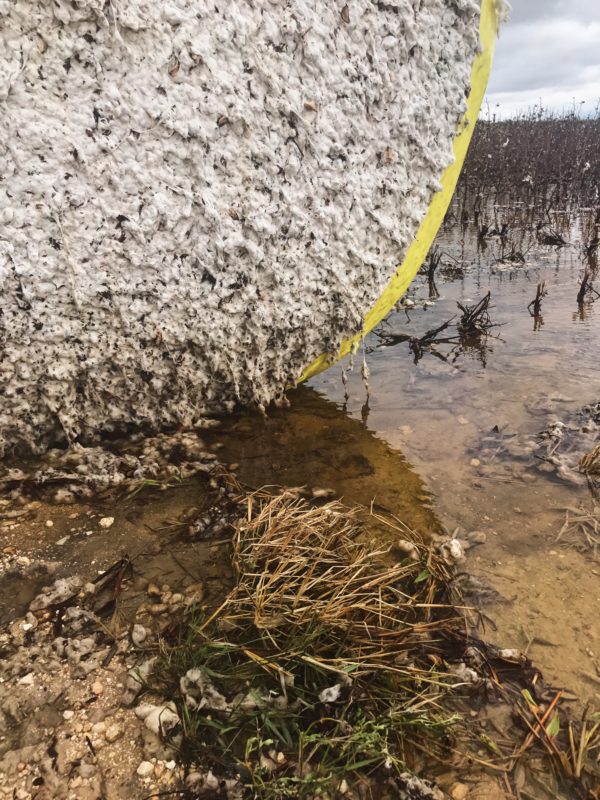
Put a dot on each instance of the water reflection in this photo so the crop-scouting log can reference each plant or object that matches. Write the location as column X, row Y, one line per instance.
column 316, row 443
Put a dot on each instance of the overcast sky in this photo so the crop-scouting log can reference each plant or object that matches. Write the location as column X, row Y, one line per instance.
column 549, row 50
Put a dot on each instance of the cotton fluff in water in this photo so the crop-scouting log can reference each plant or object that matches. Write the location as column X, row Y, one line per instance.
column 199, row 198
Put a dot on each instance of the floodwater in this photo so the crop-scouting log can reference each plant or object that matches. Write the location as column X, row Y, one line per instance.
column 445, row 416
column 438, row 442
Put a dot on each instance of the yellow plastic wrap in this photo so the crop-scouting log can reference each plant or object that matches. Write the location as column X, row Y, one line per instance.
column 401, row 280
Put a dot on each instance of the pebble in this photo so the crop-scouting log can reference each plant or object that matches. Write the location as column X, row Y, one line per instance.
column 145, row 769
column 459, row 791
column 153, row 590
column 49, row 523
column 113, row 732
column 138, row 634
column 475, row 462
column 64, row 540
column 98, row 727
column 106, row 522
column 97, row 687
column 27, row 680
column 68, row 714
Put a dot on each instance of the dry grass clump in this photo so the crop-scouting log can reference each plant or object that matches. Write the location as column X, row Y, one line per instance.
column 325, row 661
column 581, row 529
column 300, row 566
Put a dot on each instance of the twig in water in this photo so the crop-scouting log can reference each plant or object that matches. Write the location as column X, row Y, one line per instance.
column 475, row 320
column 586, row 288
column 537, row 300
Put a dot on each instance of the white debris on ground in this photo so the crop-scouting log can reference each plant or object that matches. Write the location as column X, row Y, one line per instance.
column 69, row 724
column 197, row 199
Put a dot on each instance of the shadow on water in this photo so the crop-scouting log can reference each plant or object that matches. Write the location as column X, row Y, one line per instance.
column 316, row 443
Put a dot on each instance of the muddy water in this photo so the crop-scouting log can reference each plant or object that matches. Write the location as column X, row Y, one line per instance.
column 415, row 443
column 438, row 413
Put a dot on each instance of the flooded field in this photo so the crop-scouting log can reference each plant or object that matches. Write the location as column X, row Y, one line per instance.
column 466, row 417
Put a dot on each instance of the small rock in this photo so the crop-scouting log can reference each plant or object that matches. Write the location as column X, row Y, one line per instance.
column 138, row 634
column 113, row 732
column 323, row 493
column 27, row 680
column 170, row 764
column 153, row 590
column 106, row 522
column 97, row 687
column 459, row 791
column 62, row 541
column 194, row 593
column 68, row 714
column 145, row 769
column 476, row 537
column 157, row 608
column 98, row 727
column 49, row 523
column 475, row 462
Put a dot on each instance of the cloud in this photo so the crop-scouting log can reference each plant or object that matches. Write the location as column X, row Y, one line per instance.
column 548, row 52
